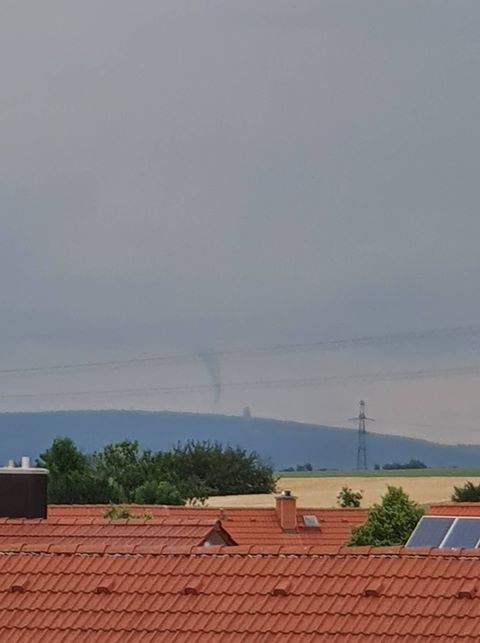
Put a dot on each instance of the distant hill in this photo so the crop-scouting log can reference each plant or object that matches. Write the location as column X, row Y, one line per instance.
column 284, row 443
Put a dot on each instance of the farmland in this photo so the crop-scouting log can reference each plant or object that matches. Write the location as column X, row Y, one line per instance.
column 444, row 472
column 319, row 489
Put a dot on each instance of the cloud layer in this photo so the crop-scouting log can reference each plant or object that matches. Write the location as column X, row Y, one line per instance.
column 192, row 176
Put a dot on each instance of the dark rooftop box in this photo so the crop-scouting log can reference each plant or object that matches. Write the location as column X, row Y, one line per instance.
column 23, row 491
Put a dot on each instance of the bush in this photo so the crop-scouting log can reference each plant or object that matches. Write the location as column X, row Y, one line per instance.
column 389, row 522
column 468, row 493
column 349, row 498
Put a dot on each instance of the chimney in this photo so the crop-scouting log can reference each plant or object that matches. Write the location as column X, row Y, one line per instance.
column 23, row 491
column 286, row 506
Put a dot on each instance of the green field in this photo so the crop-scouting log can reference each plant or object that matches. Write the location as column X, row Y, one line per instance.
column 474, row 472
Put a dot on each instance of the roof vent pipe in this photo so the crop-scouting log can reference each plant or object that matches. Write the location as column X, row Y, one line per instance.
column 25, row 462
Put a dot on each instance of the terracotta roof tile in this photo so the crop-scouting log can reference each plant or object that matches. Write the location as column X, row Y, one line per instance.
column 246, row 525
column 230, row 595
column 96, row 535
column 454, row 509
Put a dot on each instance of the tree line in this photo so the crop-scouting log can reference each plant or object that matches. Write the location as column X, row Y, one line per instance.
column 123, row 473
column 411, row 464
column 388, row 466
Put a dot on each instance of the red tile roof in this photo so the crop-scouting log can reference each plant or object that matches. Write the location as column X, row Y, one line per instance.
column 235, row 595
column 454, row 509
column 97, row 531
column 247, row 525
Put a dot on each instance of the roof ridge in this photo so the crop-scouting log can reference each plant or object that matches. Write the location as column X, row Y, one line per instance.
column 294, row 551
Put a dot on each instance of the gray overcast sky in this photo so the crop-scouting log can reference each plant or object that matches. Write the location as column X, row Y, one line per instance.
column 178, row 177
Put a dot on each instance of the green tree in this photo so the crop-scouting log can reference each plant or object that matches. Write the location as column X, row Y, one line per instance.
column 152, row 492
column 222, row 470
column 349, row 498
column 163, row 466
column 121, row 473
column 120, row 466
column 468, row 493
column 389, row 522
column 71, row 479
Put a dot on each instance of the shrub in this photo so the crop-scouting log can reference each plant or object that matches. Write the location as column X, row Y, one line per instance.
column 349, row 498
column 389, row 522
column 468, row 493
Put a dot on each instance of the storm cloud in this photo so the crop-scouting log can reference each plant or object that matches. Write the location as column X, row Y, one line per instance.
column 185, row 177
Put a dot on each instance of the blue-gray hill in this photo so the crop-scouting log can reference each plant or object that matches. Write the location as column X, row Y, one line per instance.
column 284, row 443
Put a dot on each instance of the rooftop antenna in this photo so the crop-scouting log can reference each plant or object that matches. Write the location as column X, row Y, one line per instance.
column 362, row 420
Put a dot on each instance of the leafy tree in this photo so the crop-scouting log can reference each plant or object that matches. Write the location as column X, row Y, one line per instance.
column 223, row 470
column 121, row 474
column 152, row 492
column 194, row 490
column 468, row 493
column 120, row 465
column 349, row 498
column 71, row 479
column 163, row 466
column 389, row 522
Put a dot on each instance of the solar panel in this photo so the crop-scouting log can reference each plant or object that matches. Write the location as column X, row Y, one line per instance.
column 430, row 532
column 311, row 521
column 465, row 533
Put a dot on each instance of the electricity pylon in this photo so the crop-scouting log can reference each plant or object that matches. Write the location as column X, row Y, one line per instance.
column 362, row 420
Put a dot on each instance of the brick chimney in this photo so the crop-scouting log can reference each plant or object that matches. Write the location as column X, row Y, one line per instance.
column 286, row 506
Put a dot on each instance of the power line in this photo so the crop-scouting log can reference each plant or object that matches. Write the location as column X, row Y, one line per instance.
column 405, row 337
column 260, row 384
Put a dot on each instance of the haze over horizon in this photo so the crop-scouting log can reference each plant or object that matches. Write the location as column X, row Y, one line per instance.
column 222, row 199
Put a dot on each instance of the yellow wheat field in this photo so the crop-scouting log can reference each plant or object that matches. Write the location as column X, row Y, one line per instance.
column 322, row 492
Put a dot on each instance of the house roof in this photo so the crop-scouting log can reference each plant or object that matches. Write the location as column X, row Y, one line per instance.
column 170, row 531
column 458, row 509
column 238, row 594
column 248, row 525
